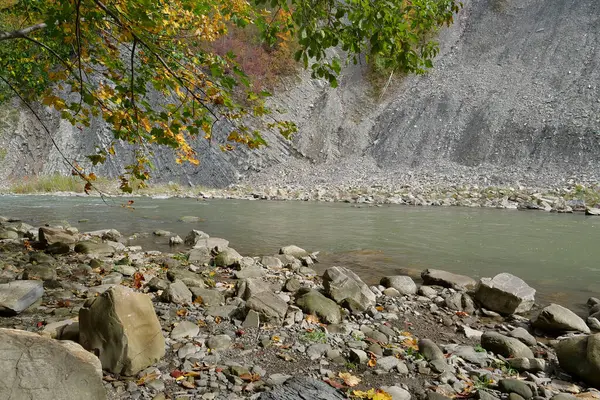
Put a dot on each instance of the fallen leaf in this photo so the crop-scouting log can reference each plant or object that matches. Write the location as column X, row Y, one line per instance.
column 349, row 379
column 182, row 312
column 372, row 362
column 312, row 319
column 192, row 373
column 218, row 320
column 334, row 383
column 176, row 373
column 147, row 378
column 138, row 278
column 187, row 384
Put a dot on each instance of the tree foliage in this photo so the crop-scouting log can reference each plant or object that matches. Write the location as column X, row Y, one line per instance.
column 146, row 66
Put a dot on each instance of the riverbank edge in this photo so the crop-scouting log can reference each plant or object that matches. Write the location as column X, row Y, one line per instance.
column 564, row 199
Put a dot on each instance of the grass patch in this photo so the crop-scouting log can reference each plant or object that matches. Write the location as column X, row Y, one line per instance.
column 315, row 336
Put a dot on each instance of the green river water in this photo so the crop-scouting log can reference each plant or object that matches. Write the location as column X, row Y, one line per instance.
column 558, row 254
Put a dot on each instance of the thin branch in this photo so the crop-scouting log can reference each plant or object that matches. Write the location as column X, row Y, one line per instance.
column 78, row 36
column 21, row 33
column 65, row 159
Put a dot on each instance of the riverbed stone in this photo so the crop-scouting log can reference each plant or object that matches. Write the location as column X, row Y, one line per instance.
column 218, row 342
column 37, row 367
column 523, row 335
column 227, row 257
column 268, row 305
column 430, row 350
column 8, row 234
column 48, row 235
column 341, row 283
column 504, row 345
column 208, row 297
column 397, row 392
column 556, row 318
column 177, row 293
column 194, row 237
column 315, row 303
column 16, row 296
column 516, row 386
column 580, row 356
column 294, row 251
column 185, row 329
column 271, row 262
column 527, row 364
column 121, row 327
column 94, row 249
column 505, row 294
column 447, row 279
column 402, row 283
column 300, row 388
column 200, row 255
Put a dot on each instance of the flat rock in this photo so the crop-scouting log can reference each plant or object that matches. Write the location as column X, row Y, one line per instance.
column 555, row 318
column 504, row 345
column 94, row 249
column 185, row 329
column 37, row 367
column 505, row 294
column 48, row 235
column 268, row 305
column 447, row 279
column 315, row 303
column 16, row 296
column 250, row 272
column 121, row 326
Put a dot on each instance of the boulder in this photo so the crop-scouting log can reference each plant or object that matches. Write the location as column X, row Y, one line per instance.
column 37, row 367
column 505, row 294
column 504, row 345
column 580, row 357
column 94, row 249
column 194, row 237
column 447, row 279
column 48, row 235
column 121, row 327
column 341, row 283
column 402, row 283
column 293, row 251
column 271, row 262
column 208, row 297
column 430, row 350
column 177, row 293
column 200, row 255
column 313, row 302
column 212, row 243
column 555, row 318
column 227, row 257
column 219, row 342
column 16, row 296
column 268, row 305
column 175, row 240
column 523, row 335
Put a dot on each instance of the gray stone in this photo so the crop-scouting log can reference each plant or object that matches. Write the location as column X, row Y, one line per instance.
column 219, row 342
column 271, row 262
column 252, row 320
column 247, row 288
column 397, row 392
column 201, row 255
column 317, row 350
column 251, row 272
column 430, row 350
column 391, row 292
column 580, row 357
column 177, row 293
column 212, row 244
column 388, row 363
column 516, row 386
column 293, row 251
column 277, row 379
column 161, row 232
column 504, row 345
column 43, row 272
column 302, row 388
column 293, row 285
column 523, row 335
column 208, row 297
column 185, row 329
column 505, row 293
column 94, row 249
column 37, row 367
column 121, row 327
column 564, row 396
column 527, row 364
column 555, row 318
column 358, row 357
column 447, row 279
column 341, row 283
column 175, row 240
column 16, row 296
column 403, row 284
column 469, row 354
column 6, row 234
column 315, row 303
column 228, row 257
column 188, row 219
column 269, row 306
column 226, row 311
column 48, row 235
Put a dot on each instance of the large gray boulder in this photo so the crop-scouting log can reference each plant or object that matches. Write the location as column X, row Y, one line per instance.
column 194, row 237
column 341, row 284
column 293, row 251
column 504, row 345
column 402, row 283
column 505, row 294
column 16, row 296
column 313, row 302
column 447, row 279
column 268, row 305
column 228, row 257
column 94, row 249
column 121, row 327
column 580, row 356
column 555, row 318
column 37, row 367
column 48, row 235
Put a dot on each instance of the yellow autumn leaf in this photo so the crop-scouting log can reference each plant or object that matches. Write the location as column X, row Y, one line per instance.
column 312, row 319
column 349, row 379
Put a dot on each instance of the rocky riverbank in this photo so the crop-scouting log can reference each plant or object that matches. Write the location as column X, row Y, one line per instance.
column 86, row 315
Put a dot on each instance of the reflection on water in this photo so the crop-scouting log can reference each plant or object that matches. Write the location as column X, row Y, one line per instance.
column 556, row 254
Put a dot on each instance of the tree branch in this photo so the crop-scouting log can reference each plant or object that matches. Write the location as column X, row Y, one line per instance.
column 21, row 33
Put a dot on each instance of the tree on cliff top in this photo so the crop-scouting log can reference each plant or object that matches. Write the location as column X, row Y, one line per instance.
column 111, row 58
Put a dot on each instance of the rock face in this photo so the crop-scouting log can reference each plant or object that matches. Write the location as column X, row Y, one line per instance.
column 122, row 328
column 447, row 279
column 504, row 345
column 341, row 283
column 16, row 296
column 402, row 283
column 505, row 294
column 313, row 302
column 555, row 318
column 300, row 388
column 36, row 367
column 580, row 356
column 49, row 236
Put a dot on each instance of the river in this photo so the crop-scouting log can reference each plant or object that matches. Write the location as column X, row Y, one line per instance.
column 558, row 254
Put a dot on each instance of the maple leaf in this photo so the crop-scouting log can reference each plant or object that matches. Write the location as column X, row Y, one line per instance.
column 349, row 379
